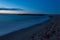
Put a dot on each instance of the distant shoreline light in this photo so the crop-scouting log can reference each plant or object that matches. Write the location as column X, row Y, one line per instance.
column 12, row 12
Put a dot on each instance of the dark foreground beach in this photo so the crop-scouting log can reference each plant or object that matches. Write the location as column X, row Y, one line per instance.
column 43, row 31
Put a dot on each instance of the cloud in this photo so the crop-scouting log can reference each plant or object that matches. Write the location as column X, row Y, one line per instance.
column 11, row 9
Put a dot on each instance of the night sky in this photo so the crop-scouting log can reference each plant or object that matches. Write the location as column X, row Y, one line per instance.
column 39, row 6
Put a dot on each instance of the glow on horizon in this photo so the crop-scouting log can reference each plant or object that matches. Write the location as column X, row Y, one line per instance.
column 12, row 12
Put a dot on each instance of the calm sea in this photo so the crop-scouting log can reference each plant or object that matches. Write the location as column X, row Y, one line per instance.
column 10, row 23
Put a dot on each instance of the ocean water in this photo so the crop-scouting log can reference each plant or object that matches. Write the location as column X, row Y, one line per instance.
column 10, row 23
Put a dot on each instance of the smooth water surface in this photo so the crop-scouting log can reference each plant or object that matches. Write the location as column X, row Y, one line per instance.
column 10, row 23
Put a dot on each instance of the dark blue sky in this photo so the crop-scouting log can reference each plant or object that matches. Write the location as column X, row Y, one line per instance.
column 45, row 6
